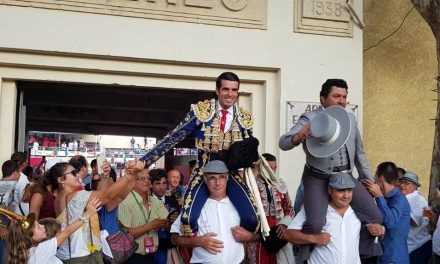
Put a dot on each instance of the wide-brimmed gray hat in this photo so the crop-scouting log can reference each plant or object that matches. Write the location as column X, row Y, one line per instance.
column 330, row 130
column 216, row 166
column 341, row 181
column 412, row 177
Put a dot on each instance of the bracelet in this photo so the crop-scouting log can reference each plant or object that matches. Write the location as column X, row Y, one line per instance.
column 82, row 218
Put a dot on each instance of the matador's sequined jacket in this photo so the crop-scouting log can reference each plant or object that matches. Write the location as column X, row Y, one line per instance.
column 203, row 121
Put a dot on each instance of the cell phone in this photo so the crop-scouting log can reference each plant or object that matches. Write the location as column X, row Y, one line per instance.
column 100, row 158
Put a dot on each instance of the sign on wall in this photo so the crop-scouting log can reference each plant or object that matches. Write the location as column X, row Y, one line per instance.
column 324, row 17
column 234, row 13
column 296, row 108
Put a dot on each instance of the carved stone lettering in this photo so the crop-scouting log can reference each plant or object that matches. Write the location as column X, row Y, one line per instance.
column 233, row 13
column 235, row 5
column 324, row 9
column 200, row 3
column 168, row 1
column 326, row 17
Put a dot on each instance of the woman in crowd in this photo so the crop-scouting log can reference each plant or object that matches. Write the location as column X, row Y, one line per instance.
column 42, row 199
column 85, row 243
column 35, row 246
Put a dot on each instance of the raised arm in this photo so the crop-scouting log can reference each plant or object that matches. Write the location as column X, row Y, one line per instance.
column 91, row 209
column 297, row 134
column 185, row 127
column 124, row 185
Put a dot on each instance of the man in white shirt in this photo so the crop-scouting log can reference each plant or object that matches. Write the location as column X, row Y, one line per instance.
column 339, row 240
column 219, row 238
column 19, row 207
column 419, row 240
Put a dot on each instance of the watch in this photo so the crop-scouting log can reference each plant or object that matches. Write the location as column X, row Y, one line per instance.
column 82, row 218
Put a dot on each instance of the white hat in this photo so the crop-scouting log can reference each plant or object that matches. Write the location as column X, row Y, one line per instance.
column 330, row 130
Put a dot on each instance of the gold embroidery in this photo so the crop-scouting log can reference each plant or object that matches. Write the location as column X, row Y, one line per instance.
column 204, row 110
column 245, row 119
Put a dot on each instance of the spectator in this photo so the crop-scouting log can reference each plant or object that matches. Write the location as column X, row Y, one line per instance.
column 95, row 179
column 11, row 174
column 436, row 236
column 400, row 172
column 159, row 182
column 82, row 144
column 338, row 242
column 143, row 215
column 85, row 243
column 20, row 207
column 109, row 212
column 278, row 209
column 419, row 239
column 396, row 214
column 34, row 246
column 81, row 165
column 175, row 185
column 132, row 142
column 42, row 199
column 158, row 178
column 63, row 146
column 219, row 238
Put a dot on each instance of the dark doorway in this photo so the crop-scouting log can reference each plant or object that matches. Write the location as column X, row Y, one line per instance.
column 106, row 109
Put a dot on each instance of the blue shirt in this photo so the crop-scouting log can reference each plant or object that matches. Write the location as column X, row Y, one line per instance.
column 396, row 219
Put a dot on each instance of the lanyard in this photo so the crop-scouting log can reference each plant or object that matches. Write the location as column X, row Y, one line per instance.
column 141, row 207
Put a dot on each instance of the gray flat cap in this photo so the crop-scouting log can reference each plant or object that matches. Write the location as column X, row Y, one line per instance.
column 341, row 181
column 216, row 166
column 412, row 177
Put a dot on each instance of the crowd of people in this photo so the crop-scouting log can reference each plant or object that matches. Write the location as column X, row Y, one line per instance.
column 235, row 208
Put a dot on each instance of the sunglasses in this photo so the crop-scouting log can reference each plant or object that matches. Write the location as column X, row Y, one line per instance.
column 147, row 179
column 73, row 172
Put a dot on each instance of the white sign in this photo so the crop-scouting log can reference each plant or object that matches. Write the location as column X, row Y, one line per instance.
column 295, row 109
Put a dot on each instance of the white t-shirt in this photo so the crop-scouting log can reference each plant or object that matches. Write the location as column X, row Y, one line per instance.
column 344, row 242
column 418, row 235
column 436, row 239
column 218, row 217
column 44, row 253
column 18, row 195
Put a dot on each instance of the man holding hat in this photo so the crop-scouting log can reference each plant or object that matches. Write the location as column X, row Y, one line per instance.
column 219, row 237
column 338, row 242
column 419, row 240
column 332, row 143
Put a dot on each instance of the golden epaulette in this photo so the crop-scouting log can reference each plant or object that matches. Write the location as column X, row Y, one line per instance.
column 245, row 119
column 204, row 110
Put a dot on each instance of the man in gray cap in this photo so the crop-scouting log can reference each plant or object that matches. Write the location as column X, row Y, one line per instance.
column 219, row 237
column 419, row 240
column 338, row 242
column 325, row 156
